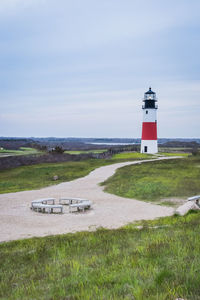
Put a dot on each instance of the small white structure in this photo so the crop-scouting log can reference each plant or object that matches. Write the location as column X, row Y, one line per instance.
column 81, row 206
column 43, row 201
column 76, row 204
column 195, row 198
column 191, row 204
column 69, row 201
column 46, row 204
column 39, row 207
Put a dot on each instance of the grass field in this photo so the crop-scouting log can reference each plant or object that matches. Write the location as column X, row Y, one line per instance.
column 173, row 149
column 153, row 260
column 174, row 154
column 152, row 181
column 131, row 156
column 161, row 261
column 86, row 151
column 21, row 151
column 136, row 155
column 41, row 175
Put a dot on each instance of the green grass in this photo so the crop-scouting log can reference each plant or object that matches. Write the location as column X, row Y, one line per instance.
column 85, row 151
column 41, row 175
column 174, row 154
column 21, row 151
column 161, row 261
column 131, row 156
column 152, row 181
column 171, row 149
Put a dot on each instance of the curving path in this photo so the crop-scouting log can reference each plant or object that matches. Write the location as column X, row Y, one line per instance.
column 17, row 221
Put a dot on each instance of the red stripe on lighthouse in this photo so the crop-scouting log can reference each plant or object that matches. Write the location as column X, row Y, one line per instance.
column 149, row 131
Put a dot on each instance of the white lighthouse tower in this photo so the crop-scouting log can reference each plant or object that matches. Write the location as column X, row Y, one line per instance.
column 149, row 143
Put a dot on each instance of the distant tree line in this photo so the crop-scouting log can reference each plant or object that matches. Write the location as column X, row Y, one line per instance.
column 125, row 148
column 57, row 155
column 25, row 160
column 180, row 144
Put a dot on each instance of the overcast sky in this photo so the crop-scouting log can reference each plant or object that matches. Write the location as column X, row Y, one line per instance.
column 80, row 67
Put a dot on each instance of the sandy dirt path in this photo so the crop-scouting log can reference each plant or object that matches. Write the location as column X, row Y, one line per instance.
column 18, row 221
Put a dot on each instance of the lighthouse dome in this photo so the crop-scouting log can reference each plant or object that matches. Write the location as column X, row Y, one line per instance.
column 150, row 99
column 150, row 92
column 150, row 95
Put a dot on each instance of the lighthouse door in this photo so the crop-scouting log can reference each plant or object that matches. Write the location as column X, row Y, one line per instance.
column 145, row 148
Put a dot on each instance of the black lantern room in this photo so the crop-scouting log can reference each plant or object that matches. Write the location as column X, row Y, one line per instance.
column 149, row 100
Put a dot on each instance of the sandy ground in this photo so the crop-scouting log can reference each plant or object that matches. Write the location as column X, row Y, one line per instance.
column 18, row 221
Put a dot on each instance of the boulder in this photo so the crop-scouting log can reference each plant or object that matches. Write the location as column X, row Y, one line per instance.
column 185, row 208
column 55, row 177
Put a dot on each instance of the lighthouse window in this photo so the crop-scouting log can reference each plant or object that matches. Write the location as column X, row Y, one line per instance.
column 146, row 112
column 145, row 148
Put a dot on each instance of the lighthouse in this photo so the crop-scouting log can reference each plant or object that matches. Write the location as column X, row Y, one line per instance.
column 149, row 143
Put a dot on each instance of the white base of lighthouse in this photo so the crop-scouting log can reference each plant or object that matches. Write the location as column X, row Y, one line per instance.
column 149, row 146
